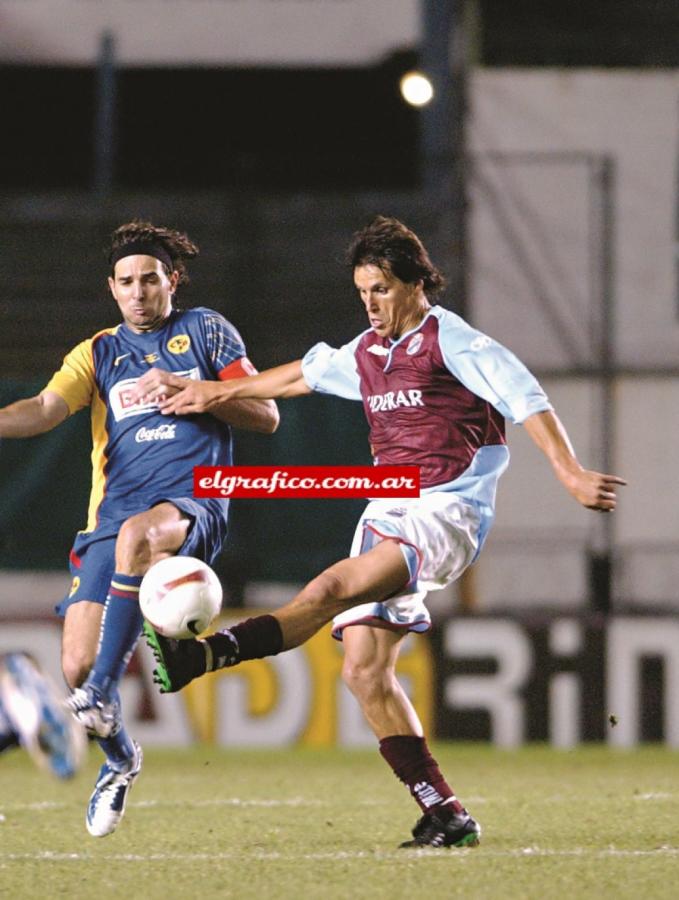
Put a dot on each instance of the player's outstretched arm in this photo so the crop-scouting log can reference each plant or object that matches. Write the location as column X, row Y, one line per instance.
column 159, row 385
column 205, row 396
column 32, row 416
column 594, row 490
column 249, row 415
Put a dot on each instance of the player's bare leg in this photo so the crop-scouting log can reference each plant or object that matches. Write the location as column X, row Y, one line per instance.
column 370, row 673
column 79, row 640
column 375, row 575
column 143, row 539
column 98, row 641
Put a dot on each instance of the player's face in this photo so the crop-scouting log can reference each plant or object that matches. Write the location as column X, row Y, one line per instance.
column 143, row 291
column 392, row 305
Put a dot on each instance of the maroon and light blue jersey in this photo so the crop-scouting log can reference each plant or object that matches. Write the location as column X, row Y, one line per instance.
column 140, row 456
column 437, row 397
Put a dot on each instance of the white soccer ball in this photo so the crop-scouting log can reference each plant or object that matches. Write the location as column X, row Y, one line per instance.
column 180, row 596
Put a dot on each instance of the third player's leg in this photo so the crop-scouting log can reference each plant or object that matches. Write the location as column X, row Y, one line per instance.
column 372, row 576
column 369, row 670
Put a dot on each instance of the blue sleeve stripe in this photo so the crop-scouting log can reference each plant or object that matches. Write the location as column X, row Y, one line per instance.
column 224, row 344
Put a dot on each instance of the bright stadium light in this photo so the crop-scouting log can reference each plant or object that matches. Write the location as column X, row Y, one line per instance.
column 416, row 88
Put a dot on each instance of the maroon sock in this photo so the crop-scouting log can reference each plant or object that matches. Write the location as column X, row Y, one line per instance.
column 254, row 638
column 414, row 765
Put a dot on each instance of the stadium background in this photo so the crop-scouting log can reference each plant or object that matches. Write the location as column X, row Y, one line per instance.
column 553, row 206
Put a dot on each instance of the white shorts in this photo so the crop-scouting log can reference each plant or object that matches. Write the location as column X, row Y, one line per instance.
column 439, row 537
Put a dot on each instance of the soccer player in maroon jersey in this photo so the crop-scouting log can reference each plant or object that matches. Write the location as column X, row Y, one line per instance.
column 142, row 507
column 436, row 394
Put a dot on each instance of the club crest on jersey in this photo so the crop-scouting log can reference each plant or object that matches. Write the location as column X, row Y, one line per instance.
column 180, row 343
column 415, row 344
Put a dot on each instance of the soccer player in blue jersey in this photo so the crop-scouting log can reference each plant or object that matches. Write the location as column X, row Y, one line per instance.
column 141, row 505
column 436, row 394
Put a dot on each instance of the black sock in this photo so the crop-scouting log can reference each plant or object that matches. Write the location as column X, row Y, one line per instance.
column 251, row 639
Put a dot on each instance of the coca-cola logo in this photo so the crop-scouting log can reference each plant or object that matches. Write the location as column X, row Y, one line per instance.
column 161, row 433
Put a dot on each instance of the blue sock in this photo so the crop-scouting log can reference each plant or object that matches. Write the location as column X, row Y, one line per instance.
column 120, row 629
column 118, row 748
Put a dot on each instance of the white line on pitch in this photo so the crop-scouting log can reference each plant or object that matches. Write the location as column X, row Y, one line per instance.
column 232, row 801
column 224, row 801
column 579, row 852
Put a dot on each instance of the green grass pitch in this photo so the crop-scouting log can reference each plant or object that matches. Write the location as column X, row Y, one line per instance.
column 300, row 823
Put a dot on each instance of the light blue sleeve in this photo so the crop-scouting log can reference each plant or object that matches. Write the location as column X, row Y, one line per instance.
column 490, row 370
column 333, row 371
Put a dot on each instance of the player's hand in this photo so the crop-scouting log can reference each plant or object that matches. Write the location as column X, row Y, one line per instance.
column 594, row 489
column 195, row 397
column 156, row 385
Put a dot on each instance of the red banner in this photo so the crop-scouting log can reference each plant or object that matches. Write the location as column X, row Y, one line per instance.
column 310, row 482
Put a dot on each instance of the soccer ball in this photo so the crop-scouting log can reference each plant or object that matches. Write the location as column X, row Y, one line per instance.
column 180, row 596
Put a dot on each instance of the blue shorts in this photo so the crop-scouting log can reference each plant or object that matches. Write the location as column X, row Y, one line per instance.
column 92, row 558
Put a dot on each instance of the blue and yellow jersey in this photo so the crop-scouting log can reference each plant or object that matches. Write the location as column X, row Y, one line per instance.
column 140, row 456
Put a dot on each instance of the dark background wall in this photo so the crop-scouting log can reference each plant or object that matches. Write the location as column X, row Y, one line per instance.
column 297, row 129
column 622, row 33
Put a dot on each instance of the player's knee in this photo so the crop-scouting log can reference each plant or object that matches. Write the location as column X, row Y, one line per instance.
column 137, row 542
column 352, row 674
column 132, row 535
column 327, row 586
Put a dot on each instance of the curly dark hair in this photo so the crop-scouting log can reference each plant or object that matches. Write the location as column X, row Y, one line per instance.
column 177, row 244
column 390, row 245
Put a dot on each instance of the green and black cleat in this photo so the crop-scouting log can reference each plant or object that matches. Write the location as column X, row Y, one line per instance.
column 178, row 662
column 459, row 831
